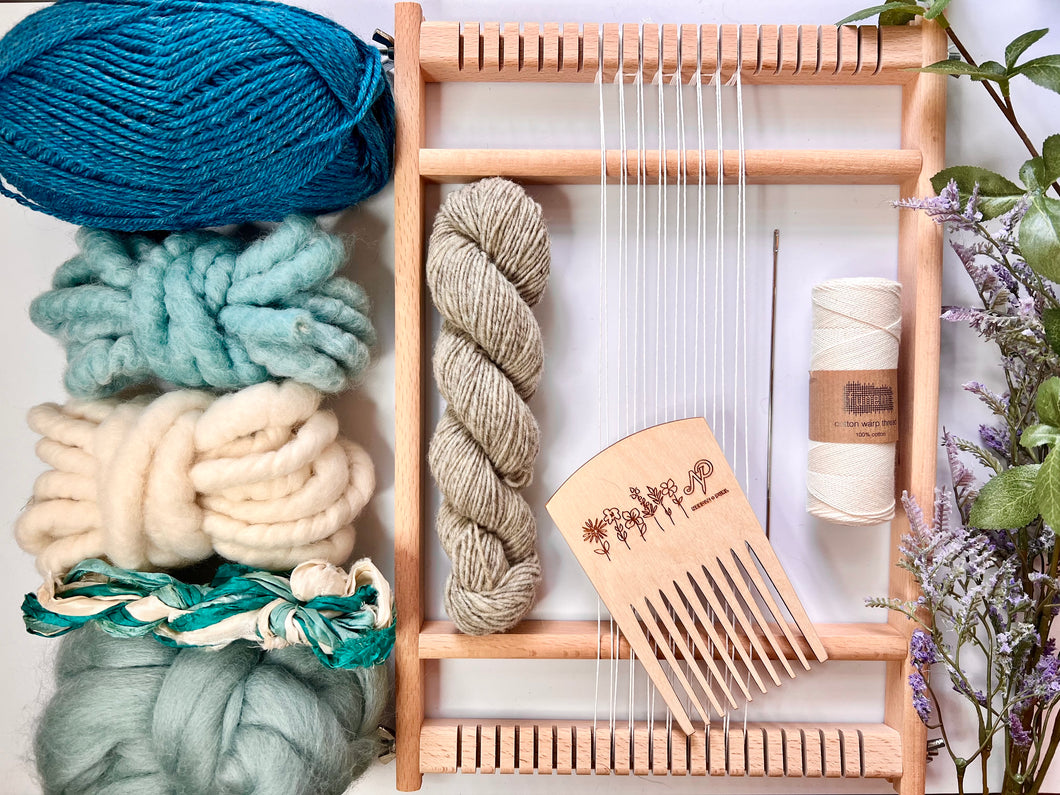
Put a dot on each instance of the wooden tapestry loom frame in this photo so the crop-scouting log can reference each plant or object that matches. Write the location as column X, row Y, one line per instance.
column 439, row 52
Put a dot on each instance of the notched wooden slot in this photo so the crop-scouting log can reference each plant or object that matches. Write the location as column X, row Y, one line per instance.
column 491, row 47
column 551, row 43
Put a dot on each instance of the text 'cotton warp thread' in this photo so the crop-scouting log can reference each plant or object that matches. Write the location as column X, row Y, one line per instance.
column 487, row 265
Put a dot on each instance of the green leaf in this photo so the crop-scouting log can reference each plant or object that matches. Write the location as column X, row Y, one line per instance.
column 1047, row 401
column 1033, row 174
column 865, row 13
column 1043, row 71
column 998, row 195
column 936, row 8
column 1047, row 490
column 1038, row 435
column 897, row 16
column 1051, row 156
column 1007, row 501
column 1019, row 45
column 991, row 70
column 1051, row 321
column 1039, row 237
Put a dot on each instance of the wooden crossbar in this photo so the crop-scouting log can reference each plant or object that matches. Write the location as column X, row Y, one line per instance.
column 579, row 640
column 812, row 750
column 763, row 54
column 761, row 167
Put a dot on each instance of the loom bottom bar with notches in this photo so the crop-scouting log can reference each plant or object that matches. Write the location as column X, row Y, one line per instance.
column 813, row 750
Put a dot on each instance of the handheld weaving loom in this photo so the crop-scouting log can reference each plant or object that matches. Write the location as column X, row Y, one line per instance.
column 441, row 52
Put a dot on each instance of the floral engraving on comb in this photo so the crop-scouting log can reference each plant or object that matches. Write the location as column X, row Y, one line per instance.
column 649, row 503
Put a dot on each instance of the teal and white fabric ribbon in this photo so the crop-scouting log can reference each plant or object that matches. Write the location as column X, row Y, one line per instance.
column 346, row 618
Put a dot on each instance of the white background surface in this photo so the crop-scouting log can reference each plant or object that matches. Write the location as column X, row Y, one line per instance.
column 826, row 232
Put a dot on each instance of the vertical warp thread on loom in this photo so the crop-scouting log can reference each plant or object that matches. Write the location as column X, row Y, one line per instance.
column 857, row 324
column 488, row 263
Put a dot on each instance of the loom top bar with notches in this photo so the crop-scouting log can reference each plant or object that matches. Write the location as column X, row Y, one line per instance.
column 764, row 54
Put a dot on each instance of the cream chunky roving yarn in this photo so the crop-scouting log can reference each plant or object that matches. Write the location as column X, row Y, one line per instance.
column 487, row 265
column 259, row 476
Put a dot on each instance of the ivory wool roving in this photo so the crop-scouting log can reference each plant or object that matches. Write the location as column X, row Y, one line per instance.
column 347, row 619
column 857, row 325
column 260, row 476
column 200, row 309
column 131, row 716
column 176, row 114
column 487, row 265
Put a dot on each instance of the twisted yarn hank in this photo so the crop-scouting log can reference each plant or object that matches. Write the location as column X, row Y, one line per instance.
column 487, row 265
column 201, row 309
column 346, row 619
column 176, row 114
column 131, row 716
column 259, row 476
column 857, row 325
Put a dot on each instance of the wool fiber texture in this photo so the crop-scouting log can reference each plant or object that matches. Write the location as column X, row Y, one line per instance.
column 487, row 265
column 201, row 309
column 176, row 114
column 260, row 476
column 133, row 717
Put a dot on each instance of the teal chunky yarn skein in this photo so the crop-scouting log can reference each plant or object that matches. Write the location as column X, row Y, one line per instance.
column 133, row 717
column 177, row 114
column 201, row 309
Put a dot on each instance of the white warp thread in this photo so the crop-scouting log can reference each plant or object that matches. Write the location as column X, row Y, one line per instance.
column 260, row 476
column 856, row 326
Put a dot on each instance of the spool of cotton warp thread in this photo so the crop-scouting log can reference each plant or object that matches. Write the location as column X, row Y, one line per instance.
column 853, row 400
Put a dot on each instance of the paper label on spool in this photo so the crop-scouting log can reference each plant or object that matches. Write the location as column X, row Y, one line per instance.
column 854, row 406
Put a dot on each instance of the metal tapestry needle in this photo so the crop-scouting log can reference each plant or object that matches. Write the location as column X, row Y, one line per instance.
column 772, row 366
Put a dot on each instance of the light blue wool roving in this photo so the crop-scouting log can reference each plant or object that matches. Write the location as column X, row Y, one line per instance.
column 202, row 309
column 133, row 717
column 177, row 114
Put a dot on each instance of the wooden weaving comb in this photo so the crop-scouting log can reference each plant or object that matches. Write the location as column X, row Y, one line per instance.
column 669, row 541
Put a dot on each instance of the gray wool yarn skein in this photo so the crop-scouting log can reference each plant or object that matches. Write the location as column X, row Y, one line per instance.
column 487, row 265
column 131, row 716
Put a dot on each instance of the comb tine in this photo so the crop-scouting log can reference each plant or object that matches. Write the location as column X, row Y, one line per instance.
column 689, row 655
column 688, row 621
column 722, row 583
column 768, row 560
column 735, row 576
column 664, row 646
column 638, row 641
column 751, row 570
column 719, row 613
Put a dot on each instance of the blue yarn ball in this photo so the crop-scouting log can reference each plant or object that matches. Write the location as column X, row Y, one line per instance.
column 133, row 717
column 175, row 114
column 202, row 309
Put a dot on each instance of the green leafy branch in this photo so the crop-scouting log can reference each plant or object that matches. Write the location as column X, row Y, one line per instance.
column 1044, row 70
column 1039, row 232
column 1019, row 495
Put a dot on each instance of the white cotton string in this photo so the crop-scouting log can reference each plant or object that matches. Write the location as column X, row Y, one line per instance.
column 680, row 233
column 856, row 326
column 660, row 253
column 640, row 308
column 741, row 241
column 602, row 420
column 718, row 379
column 623, row 235
column 701, row 222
